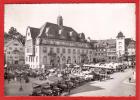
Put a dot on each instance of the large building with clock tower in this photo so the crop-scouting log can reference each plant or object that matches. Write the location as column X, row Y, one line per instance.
column 54, row 45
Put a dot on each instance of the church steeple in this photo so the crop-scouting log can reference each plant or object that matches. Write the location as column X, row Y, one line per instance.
column 60, row 20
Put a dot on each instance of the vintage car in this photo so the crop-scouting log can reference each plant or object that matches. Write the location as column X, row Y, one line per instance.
column 46, row 90
column 88, row 77
column 96, row 77
column 70, row 84
column 56, row 91
column 76, row 81
column 62, row 85
column 36, row 90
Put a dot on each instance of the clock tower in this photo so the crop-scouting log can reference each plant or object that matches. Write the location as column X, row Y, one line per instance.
column 120, row 44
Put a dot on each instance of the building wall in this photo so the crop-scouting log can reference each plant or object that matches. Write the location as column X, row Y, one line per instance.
column 62, row 55
column 101, row 54
column 131, row 51
column 42, row 57
column 12, row 56
column 111, row 55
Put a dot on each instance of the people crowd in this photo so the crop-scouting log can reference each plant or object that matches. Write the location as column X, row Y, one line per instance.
column 63, row 80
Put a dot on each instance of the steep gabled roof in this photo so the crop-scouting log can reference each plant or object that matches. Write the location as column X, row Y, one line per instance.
column 52, row 30
column 127, row 41
column 107, row 41
column 34, row 32
column 51, row 26
column 56, row 31
column 111, row 43
column 130, row 43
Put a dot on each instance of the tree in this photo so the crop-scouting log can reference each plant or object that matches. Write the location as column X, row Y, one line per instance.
column 6, row 35
column 12, row 31
column 21, row 39
column 14, row 34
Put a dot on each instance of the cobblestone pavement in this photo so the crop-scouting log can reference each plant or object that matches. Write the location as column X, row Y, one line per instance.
column 12, row 88
column 117, row 86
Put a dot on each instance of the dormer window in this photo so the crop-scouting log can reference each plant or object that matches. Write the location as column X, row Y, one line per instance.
column 60, row 31
column 47, row 29
column 71, row 33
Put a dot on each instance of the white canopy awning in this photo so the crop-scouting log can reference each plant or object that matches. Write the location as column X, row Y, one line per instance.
column 107, row 66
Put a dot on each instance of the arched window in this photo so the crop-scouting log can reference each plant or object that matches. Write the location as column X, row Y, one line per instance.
column 74, row 51
column 58, row 50
column 90, row 59
column 69, row 51
column 78, row 59
column 78, row 51
column 63, row 59
column 69, row 60
column 44, row 60
column 74, row 59
column 63, row 50
column 58, row 59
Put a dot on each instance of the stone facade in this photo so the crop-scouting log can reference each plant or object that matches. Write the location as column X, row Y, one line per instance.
column 14, row 52
column 105, row 50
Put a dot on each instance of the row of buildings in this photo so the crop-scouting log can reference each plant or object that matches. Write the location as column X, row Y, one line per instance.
column 114, row 50
column 56, row 45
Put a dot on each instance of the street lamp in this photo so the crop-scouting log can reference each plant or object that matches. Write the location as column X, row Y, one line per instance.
column 21, row 88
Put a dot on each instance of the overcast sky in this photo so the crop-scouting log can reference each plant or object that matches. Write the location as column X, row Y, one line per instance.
column 97, row 21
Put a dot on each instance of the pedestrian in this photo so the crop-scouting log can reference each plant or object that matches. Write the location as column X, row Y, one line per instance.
column 129, row 79
column 20, row 79
column 8, row 79
column 27, row 80
column 15, row 79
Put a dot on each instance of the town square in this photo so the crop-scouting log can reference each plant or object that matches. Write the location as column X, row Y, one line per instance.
column 55, row 59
